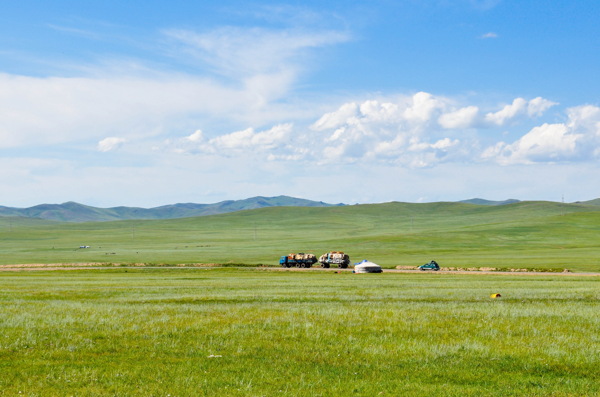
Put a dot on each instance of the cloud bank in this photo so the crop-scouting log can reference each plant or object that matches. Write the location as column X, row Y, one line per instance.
column 420, row 130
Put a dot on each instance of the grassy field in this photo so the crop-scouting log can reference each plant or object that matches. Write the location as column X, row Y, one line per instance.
column 524, row 235
column 257, row 332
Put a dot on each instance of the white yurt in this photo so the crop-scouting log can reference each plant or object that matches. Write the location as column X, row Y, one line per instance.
column 366, row 266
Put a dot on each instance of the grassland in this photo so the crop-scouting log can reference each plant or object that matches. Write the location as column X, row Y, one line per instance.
column 160, row 331
column 539, row 235
column 255, row 332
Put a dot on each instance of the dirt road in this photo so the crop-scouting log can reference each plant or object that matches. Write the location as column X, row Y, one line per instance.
column 80, row 266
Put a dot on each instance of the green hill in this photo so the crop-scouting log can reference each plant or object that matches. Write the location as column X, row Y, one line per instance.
column 590, row 202
column 75, row 212
column 480, row 201
column 520, row 235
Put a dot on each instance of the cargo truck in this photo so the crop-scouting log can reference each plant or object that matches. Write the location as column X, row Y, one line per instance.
column 298, row 260
column 338, row 258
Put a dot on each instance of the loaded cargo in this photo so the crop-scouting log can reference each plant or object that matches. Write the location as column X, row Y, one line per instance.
column 298, row 260
column 338, row 258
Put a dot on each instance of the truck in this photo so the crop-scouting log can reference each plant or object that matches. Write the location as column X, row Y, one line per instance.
column 298, row 260
column 338, row 258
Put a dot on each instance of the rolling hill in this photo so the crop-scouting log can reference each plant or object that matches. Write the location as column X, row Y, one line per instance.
column 75, row 212
column 519, row 235
column 590, row 202
column 480, row 201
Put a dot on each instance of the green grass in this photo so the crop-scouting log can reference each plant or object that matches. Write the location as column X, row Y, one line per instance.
column 235, row 332
column 522, row 235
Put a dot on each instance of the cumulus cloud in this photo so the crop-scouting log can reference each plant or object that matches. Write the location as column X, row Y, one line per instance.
column 548, row 142
column 409, row 131
column 461, row 118
column 416, row 109
column 267, row 144
column 508, row 112
column 538, row 106
column 110, row 143
column 517, row 109
column 585, row 118
column 249, row 139
column 405, row 131
column 197, row 136
column 346, row 114
column 417, row 130
column 422, row 107
column 577, row 139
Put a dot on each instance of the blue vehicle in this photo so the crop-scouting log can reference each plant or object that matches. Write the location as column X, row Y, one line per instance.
column 298, row 260
column 433, row 265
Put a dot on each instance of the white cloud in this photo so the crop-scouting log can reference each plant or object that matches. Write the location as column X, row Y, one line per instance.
column 585, row 118
column 422, row 107
column 538, row 106
column 45, row 111
column 197, row 136
column 508, row 112
column 420, row 130
column 445, row 143
column 381, row 131
column 254, row 55
column 378, row 112
column 461, row 118
column 402, row 132
column 344, row 115
column 576, row 140
column 139, row 102
column 517, row 109
column 248, row 141
column 424, row 129
column 110, row 143
column 546, row 143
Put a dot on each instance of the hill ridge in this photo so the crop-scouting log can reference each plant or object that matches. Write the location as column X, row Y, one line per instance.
column 74, row 212
column 71, row 211
column 480, row 201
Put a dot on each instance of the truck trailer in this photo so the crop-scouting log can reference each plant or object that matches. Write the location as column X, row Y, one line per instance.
column 298, row 260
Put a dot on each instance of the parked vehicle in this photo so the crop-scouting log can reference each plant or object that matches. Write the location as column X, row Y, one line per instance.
column 338, row 258
column 298, row 260
column 433, row 265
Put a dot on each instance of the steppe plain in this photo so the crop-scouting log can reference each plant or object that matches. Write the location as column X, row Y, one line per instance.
column 153, row 319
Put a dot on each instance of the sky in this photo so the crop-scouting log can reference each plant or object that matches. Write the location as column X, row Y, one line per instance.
column 147, row 103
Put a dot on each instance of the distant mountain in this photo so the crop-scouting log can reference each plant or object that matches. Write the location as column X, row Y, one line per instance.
column 75, row 212
column 590, row 202
column 480, row 201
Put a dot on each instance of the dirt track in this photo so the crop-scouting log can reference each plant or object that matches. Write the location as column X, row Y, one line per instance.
column 415, row 271
column 79, row 266
column 495, row 272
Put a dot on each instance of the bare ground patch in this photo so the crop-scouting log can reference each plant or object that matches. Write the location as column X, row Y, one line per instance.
column 93, row 265
column 397, row 269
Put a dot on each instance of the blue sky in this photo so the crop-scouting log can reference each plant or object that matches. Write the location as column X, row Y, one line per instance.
column 149, row 103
